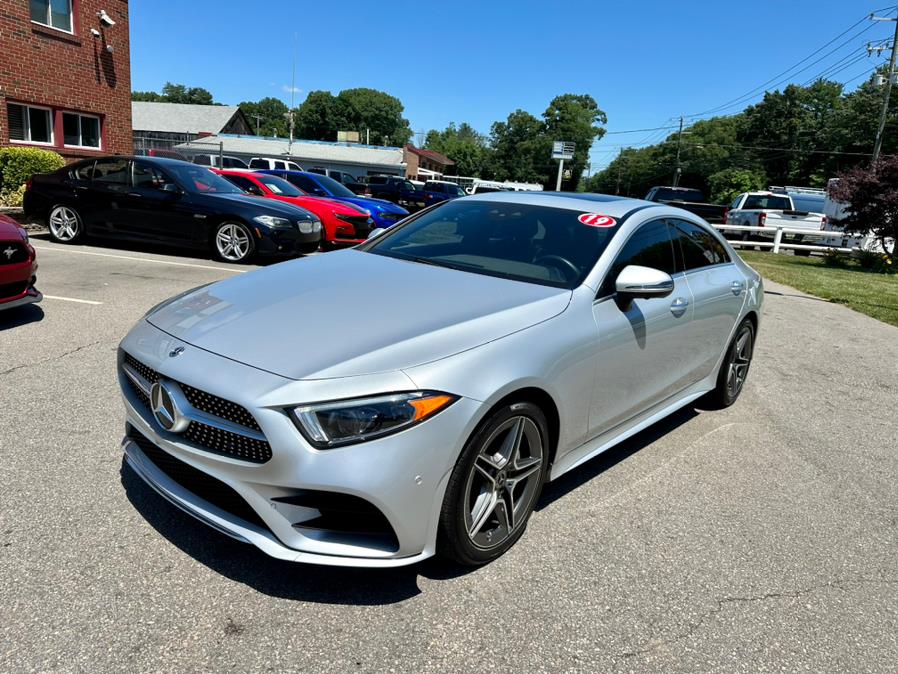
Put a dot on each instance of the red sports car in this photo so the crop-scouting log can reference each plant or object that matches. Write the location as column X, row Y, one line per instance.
column 341, row 223
column 18, row 267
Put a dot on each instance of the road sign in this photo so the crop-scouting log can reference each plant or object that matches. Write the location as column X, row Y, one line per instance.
column 562, row 150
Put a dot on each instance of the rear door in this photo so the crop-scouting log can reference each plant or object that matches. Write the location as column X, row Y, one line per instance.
column 718, row 290
column 645, row 346
column 108, row 195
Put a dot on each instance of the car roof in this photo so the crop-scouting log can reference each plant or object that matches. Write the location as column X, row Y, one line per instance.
column 587, row 202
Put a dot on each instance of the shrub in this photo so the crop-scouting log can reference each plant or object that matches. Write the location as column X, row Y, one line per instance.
column 12, row 198
column 18, row 164
column 875, row 261
column 872, row 198
column 833, row 258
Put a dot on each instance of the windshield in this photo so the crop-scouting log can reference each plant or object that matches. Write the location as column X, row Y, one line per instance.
column 278, row 186
column 536, row 244
column 678, row 194
column 332, row 186
column 201, row 180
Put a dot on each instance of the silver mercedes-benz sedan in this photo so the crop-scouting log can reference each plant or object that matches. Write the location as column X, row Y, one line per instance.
column 413, row 395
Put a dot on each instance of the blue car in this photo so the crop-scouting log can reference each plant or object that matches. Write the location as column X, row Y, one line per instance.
column 384, row 213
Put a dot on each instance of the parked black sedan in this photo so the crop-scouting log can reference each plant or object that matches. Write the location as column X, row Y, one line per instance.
column 166, row 201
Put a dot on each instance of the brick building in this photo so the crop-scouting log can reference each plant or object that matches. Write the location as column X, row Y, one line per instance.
column 65, row 76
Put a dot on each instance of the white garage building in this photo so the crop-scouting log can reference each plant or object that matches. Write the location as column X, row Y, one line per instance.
column 355, row 159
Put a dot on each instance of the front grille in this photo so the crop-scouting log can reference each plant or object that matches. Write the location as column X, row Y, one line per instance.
column 197, row 482
column 13, row 289
column 12, row 253
column 206, row 436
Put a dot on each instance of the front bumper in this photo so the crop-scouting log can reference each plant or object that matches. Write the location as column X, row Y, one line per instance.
column 403, row 476
column 17, row 282
column 285, row 241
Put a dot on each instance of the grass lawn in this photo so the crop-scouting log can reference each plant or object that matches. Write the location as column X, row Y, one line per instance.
column 869, row 293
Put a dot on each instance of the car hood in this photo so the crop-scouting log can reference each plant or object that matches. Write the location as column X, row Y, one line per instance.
column 273, row 206
column 9, row 228
column 319, row 317
column 375, row 205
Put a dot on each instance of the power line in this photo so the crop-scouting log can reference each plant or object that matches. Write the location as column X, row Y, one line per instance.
column 656, row 128
column 764, row 86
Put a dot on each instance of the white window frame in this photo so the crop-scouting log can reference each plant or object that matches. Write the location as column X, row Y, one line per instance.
column 70, row 31
column 79, row 115
column 27, row 120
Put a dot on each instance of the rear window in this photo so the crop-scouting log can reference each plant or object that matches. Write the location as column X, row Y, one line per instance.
column 767, row 202
column 678, row 194
column 535, row 244
column 808, row 202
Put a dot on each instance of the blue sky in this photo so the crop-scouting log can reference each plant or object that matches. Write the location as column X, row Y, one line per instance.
column 645, row 62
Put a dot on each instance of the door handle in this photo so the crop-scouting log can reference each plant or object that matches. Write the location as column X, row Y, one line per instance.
column 81, row 188
column 134, row 194
column 678, row 306
column 737, row 287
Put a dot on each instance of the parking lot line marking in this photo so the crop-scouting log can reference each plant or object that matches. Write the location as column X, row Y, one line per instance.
column 70, row 299
column 141, row 259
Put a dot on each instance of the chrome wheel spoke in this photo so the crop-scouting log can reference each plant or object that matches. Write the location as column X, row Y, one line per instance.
column 483, row 514
column 524, row 469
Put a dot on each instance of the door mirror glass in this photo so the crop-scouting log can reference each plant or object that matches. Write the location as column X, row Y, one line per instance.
column 635, row 281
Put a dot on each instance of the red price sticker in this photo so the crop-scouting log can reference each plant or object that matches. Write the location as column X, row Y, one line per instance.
column 597, row 220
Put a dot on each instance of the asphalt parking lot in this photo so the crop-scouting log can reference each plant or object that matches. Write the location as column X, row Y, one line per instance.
column 759, row 538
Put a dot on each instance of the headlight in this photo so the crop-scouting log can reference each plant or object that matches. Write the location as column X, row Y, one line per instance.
column 345, row 422
column 272, row 221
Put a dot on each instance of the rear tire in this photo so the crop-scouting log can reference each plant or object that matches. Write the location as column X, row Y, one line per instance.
column 495, row 485
column 65, row 224
column 735, row 366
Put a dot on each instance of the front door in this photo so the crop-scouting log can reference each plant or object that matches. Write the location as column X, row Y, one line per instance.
column 155, row 213
column 644, row 346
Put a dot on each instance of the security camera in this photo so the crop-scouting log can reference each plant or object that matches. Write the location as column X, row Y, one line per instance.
column 110, row 48
column 95, row 32
column 105, row 19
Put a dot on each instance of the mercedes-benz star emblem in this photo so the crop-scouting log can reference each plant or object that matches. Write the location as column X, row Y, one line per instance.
column 9, row 252
column 164, row 397
column 177, row 351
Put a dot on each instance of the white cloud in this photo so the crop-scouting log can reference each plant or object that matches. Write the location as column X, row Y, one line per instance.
column 287, row 89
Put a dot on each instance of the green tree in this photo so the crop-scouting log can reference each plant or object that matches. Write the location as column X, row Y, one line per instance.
column 725, row 185
column 578, row 119
column 467, row 148
column 272, row 113
column 320, row 117
column 176, row 93
column 521, row 149
column 373, row 112
column 872, row 197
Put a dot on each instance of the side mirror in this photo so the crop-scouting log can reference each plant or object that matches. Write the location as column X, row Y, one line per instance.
column 635, row 281
column 376, row 232
column 252, row 189
column 170, row 188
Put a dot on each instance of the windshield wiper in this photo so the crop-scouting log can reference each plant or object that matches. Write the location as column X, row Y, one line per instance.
column 460, row 266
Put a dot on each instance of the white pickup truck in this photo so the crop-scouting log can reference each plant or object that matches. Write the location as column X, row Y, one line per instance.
column 772, row 210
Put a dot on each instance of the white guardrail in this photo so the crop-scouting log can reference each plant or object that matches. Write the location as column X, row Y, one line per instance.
column 778, row 242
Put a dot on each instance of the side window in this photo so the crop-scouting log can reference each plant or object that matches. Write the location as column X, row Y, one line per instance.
column 302, row 182
column 144, row 176
column 651, row 246
column 698, row 246
column 202, row 160
column 280, row 165
column 83, row 171
column 258, row 164
column 244, row 184
column 735, row 204
column 111, row 171
column 293, row 167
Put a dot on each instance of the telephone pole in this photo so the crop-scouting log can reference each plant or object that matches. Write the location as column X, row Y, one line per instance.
column 677, row 170
column 258, row 119
column 890, row 76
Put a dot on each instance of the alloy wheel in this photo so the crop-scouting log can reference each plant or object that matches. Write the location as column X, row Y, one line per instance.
column 232, row 242
column 64, row 224
column 503, row 482
column 739, row 361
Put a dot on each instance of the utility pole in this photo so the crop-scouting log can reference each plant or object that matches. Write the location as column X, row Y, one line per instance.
column 620, row 169
column 677, row 170
column 890, row 76
column 258, row 119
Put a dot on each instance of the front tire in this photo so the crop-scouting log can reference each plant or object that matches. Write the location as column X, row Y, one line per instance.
column 233, row 242
column 735, row 366
column 65, row 224
column 495, row 485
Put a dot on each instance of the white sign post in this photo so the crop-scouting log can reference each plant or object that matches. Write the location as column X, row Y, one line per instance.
column 561, row 150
